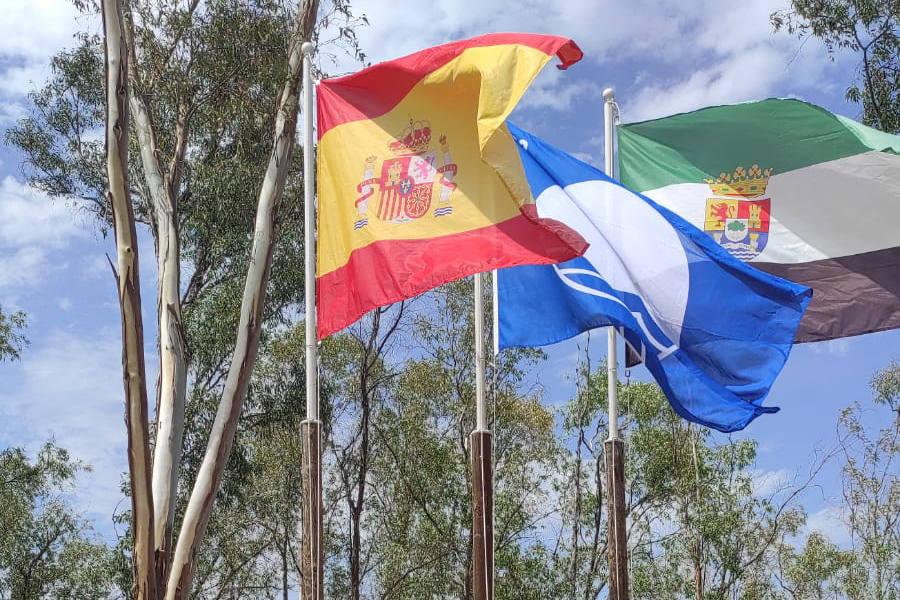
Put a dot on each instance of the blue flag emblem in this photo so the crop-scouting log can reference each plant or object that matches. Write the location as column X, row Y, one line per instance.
column 713, row 331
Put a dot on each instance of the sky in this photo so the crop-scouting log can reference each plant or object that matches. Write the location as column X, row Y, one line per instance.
column 660, row 56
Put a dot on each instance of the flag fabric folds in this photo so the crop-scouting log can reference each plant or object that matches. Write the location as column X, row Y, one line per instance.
column 793, row 190
column 713, row 332
column 419, row 182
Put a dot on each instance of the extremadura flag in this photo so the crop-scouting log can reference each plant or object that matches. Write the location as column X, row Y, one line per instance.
column 792, row 189
column 419, row 180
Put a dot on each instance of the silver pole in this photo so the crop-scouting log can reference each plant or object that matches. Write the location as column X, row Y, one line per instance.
column 482, row 468
column 309, row 224
column 480, row 406
column 609, row 133
column 311, row 574
column 496, row 315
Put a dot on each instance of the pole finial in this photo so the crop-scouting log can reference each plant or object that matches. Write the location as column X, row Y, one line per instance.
column 307, row 48
column 609, row 94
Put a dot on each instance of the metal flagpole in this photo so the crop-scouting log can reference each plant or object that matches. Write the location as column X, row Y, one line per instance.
column 496, row 315
column 310, row 429
column 482, row 473
column 615, row 451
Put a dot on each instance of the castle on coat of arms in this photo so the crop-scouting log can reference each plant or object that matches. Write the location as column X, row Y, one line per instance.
column 407, row 179
column 738, row 217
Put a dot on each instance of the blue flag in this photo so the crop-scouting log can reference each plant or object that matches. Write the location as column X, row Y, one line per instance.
column 713, row 331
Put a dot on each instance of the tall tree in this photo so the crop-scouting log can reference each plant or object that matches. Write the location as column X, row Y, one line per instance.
column 871, row 30
column 421, row 484
column 871, row 490
column 47, row 550
column 359, row 374
column 129, row 289
column 697, row 526
column 210, row 76
column 581, row 547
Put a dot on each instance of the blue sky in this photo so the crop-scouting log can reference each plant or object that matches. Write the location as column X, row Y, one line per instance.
column 660, row 56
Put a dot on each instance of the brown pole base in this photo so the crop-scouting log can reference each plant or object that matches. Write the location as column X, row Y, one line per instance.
column 482, row 516
column 312, row 585
column 618, row 534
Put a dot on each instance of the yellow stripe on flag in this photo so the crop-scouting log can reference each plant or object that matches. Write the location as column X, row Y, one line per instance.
column 464, row 103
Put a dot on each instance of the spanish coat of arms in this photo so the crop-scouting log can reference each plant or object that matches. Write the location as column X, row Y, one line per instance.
column 407, row 179
column 738, row 217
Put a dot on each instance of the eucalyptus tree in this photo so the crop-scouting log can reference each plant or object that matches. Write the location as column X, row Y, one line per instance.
column 711, row 532
column 214, row 101
column 818, row 570
column 871, row 30
column 871, row 489
column 359, row 370
column 47, row 550
column 698, row 525
column 421, row 487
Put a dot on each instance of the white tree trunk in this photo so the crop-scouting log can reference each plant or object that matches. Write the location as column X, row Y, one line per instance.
column 129, row 300
column 222, row 435
column 171, row 388
column 172, row 380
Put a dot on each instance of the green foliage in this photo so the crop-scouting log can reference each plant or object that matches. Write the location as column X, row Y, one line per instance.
column 62, row 139
column 12, row 340
column 871, row 490
column 46, row 549
column 419, row 410
column 692, row 506
column 815, row 571
column 397, row 391
column 886, row 386
column 214, row 70
column 871, row 30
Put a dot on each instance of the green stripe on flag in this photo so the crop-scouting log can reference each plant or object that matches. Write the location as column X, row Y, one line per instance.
column 776, row 134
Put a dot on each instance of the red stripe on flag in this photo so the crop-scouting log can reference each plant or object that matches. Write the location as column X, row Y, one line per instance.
column 398, row 205
column 375, row 90
column 388, row 271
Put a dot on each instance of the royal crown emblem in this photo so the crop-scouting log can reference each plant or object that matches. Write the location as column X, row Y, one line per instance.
column 407, row 180
column 739, row 226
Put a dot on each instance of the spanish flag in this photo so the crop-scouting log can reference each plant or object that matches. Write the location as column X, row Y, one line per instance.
column 420, row 182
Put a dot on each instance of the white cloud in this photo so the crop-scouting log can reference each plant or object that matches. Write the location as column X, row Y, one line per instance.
column 745, row 76
column 838, row 347
column 726, row 56
column 33, row 228
column 19, row 80
column 686, row 54
column 22, row 267
column 830, row 522
column 29, row 217
column 70, row 388
column 767, row 483
column 553, row 90
column 602, row 28
column 32, row 31
column 11, row 111
column 35, row 29
column 96, row 267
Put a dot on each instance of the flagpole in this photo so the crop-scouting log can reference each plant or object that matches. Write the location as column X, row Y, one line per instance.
column 615, row 449
column 482, row 474
column 495, row 338
column 311, row 428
